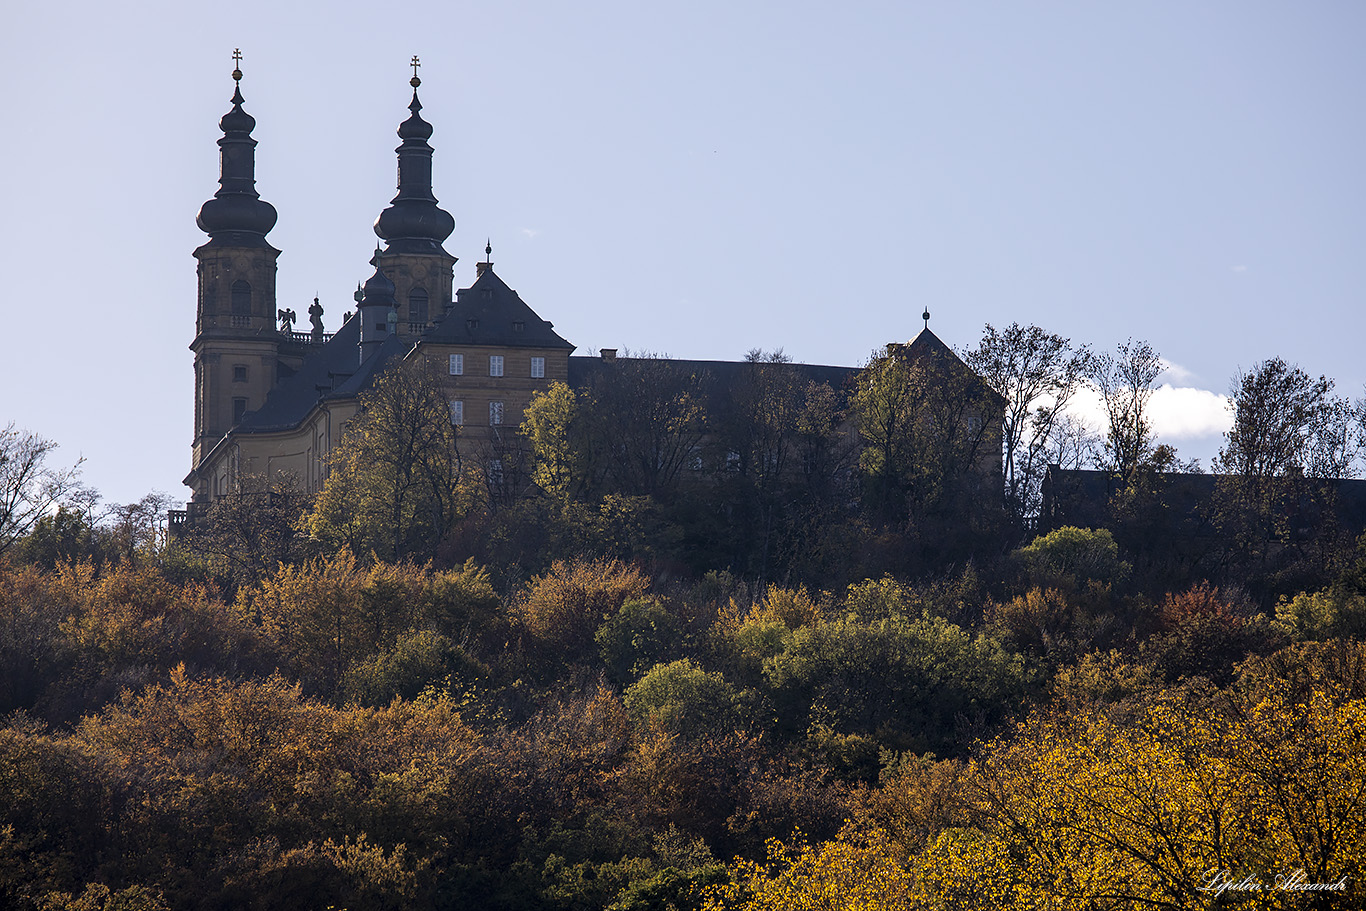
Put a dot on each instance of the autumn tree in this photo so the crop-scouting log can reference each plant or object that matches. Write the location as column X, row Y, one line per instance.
column 777, row 460
column 1290, row 437
column 929, row 427
column 68, row 534
column 1148, row 803
column 563, row 608
column 31, row 488
column 1125, row 380
column 1287, row 422
column 246, row 535
column 862, row 868
column 326, row 613
column 644, row 419
column 394, row 482
column 558, row 459
column 1037, row 373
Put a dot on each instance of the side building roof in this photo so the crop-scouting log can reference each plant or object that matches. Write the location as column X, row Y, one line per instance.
column 330, row 371
column 584, row 370
column 488, row 312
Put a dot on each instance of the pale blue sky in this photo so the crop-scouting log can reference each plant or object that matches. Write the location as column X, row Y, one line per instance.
column 698, row 179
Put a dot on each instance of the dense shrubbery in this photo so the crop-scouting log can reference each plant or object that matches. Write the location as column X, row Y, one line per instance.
column 356, row 733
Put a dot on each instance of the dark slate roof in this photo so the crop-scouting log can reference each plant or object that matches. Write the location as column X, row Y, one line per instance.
column 330, row 371
column 488, row 312
column 927, row 344
column 928, row 348
column 584, row 371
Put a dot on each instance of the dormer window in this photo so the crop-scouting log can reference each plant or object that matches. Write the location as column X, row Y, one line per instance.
column 518, row 325
column 471, row 323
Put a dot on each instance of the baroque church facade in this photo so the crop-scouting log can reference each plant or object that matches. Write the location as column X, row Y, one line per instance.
column 272, row 402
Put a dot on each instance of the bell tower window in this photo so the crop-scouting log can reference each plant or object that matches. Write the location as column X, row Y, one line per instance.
column 241, row 298
column 417, row 305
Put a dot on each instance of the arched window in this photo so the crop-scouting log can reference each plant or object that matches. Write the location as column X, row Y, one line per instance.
column 241, row 298
column 417, row 305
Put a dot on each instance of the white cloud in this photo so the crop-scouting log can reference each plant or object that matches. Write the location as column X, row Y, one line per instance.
column 1239, row 268
column 530, row 232
column 1177, row 412
column 1185, row 412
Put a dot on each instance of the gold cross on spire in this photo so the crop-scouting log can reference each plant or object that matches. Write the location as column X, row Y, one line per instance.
column 237, row 64
column 415, row 82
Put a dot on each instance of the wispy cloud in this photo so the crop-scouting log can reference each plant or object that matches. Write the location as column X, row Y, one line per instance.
column 1238, row 268
column 1176, row 373
column 529, row 233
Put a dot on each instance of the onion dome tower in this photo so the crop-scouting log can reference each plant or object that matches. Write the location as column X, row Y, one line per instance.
column 236, row 344
column 377, row 310
column 413, row 228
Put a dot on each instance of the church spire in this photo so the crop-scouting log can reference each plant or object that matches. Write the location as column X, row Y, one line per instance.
column 237, row 216
column 413, row 222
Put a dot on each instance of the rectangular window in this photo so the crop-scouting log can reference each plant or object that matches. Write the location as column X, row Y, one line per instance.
column 239, row 410
column 239, row 373
column 495, row 413
column 537, row 367
column 495, row 365
column 457, row 365
column 457, row 412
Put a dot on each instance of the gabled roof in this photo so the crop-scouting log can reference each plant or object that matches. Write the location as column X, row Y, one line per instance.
column 490, row 313
column 927, row 349
column 927, row 344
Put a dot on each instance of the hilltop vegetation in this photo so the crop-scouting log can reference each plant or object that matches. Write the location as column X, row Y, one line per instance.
column 806, row 676
column 374, row 735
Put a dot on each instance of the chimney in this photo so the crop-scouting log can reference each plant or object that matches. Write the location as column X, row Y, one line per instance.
column 481, row 268
column 609, row 355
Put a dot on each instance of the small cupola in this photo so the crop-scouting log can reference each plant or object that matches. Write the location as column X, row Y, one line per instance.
column 375, row 305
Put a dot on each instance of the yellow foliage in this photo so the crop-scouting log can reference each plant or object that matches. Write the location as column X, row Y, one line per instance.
column 1038, row 619
column 557, row 464
column 378, row 877
column 861, row 870
column 331, row 611
column 792, row 607
column 923, row 798
column 566, row 606
column 99, row 897
column 1137, row 808
column 966, row 868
